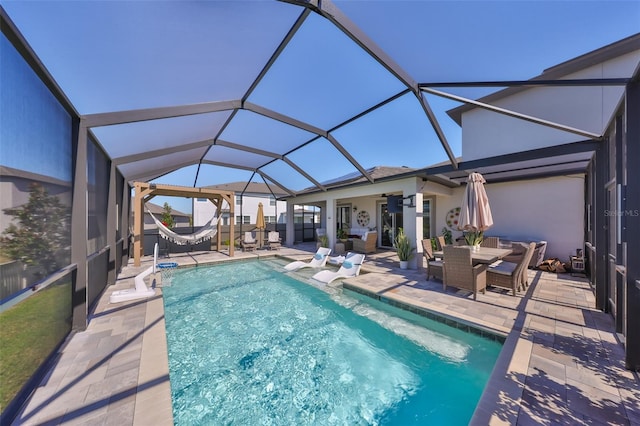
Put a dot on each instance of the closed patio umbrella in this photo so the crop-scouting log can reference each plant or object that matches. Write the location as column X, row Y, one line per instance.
column 475, row 213
column 260, row 224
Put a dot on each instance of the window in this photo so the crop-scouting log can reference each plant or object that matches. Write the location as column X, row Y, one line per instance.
column 272, row 201
column 202, row 200
column 426, row 218
column 238, row 199
column 270, row 219
column 246, row 221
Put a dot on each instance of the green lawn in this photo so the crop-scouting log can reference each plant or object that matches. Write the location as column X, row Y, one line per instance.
column 29, row 332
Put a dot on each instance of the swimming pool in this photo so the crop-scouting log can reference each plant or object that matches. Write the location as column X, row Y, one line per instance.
column 251, row 345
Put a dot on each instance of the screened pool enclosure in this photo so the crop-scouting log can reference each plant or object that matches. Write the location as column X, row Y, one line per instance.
column 296, row 94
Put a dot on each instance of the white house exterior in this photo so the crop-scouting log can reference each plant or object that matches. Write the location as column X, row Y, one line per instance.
column 549, row 117
column 521, row 210
column 486, row 133
column 561, row 164
column 246, row 208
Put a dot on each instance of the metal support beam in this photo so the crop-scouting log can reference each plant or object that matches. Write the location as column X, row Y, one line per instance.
column 160, row 152
column 436, row 128
column 112, row 206
column 514, row 114
column 632, row 359
column 284, row 188
column 148, row 175
column 349, row 157
column 582, row 82
column 600, row 227
column 79, row 234
column 124, row 220
column 134, row 116
column 283, row 118
column 332, row 13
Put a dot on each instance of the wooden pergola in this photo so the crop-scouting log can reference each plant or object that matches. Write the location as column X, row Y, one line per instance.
column 145, row 191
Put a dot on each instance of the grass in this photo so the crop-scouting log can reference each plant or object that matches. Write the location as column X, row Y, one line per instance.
column 29, row 332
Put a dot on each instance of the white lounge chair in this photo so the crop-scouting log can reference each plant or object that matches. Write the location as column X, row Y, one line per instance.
column 350, row 268
column 338, row 260
column 318, row 261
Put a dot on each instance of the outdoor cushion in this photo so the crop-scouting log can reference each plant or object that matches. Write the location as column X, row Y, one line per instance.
column 505, row 268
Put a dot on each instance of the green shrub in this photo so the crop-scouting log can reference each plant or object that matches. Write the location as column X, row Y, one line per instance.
column 403, row 246
column 323, row 240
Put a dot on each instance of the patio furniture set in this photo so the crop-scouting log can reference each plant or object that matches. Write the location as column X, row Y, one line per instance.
column 475, row 269
column 249, row 243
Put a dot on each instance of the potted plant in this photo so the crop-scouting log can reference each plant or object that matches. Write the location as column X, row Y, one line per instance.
column 448, row 237
column 403, row 248
column 323, row 241
column 473, row 238
column 342, row 234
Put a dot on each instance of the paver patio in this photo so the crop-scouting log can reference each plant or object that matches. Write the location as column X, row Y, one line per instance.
column 561, row 363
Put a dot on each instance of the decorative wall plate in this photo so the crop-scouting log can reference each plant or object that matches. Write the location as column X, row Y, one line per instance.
column 452, row 218
column 363, row 218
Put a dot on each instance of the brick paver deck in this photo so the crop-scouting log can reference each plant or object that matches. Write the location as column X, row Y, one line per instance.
column 562, row 362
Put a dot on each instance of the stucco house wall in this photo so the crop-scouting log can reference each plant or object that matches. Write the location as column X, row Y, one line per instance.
column 584, row 108
column 525, row 211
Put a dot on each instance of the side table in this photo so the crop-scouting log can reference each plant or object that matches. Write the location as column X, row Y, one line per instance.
column 577, row 265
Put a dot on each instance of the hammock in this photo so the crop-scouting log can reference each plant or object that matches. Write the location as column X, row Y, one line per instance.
column 205, row 233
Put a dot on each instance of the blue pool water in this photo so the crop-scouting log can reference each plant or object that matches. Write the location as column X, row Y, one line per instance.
column 250, row 345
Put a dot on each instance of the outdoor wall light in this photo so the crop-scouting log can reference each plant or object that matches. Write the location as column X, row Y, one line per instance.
column 411, row 199
column 355, row 209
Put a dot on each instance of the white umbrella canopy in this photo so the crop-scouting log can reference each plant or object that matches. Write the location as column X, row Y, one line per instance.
column 475, row 213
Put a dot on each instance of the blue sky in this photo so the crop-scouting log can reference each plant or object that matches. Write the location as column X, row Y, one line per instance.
column 111, row 56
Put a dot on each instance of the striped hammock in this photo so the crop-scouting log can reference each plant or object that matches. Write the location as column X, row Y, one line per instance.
column 207, row 232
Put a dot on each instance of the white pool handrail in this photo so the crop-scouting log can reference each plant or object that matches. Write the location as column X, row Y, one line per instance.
column 140, row 291
column 155, row 257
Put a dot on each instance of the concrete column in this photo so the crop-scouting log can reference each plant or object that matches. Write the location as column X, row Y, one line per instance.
column 331, row 221
column 412, row 222
column 419, row 230
column 290, row 225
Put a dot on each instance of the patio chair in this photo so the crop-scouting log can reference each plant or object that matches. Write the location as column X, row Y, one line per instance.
column 318, row 261
column 459, row 271
column 273, row 240
column 434, row 266
column 366, row 244
column 249, row 243
column 509, row 274
column 350, row 268
column 526, row 263
column 491, row 242
column 441, row 242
